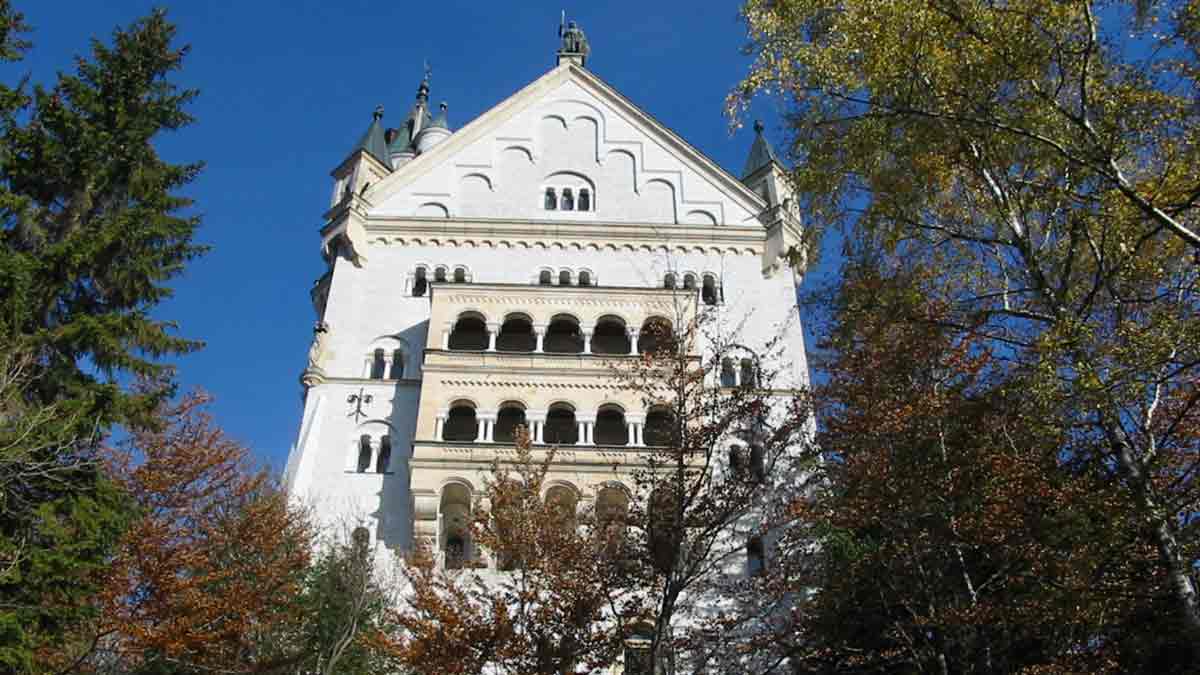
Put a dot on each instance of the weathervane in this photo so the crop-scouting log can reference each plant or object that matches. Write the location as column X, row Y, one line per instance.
column 358, row 400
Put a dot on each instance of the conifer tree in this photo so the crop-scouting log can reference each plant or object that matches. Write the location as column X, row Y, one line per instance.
column 91, row 230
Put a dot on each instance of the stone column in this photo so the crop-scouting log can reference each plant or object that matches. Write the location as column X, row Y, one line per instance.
column 493, row 331
column 586, row 428
column 633, row 341
column 587, row 342
column 446, row 339
column 439, row 425
column 536, row 419
column 539, row 332
column 487, row 428
column 635, row 423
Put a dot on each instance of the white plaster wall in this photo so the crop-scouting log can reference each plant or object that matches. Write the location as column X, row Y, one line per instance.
column 568, row 138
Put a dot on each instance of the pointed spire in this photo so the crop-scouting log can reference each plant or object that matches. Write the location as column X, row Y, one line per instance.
column 373, row 141
column 761, row 153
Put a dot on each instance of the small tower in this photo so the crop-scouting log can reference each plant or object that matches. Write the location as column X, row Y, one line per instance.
column 435, row 132
column 366, row 165
column 766, row 176
column 574, row 46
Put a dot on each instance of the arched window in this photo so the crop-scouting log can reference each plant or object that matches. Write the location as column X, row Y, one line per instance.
column 689, row 281
column 728, row 374
column 460, row 424
column 469, row 334
column 378, row 364
column 568, row 200
column 564, row 278
column 669, row 280
column 610, row 427
column 516, row 335
column 585, row 278
column 364, row 454
column 749, row 380
column 439, row 274
column 562, row 502
column 385, row 455
column 585, row 200
column 659, row 429
column 550, row 203
column 454, row 515
column 508, row 419
column 397, row 371
column 561, row 427
column 545, row 278
column 563, row 336
column 460, row 276
column 420, row 283
column 708, row 292
column 656, row 336
column 756, row 557
column 610, row 336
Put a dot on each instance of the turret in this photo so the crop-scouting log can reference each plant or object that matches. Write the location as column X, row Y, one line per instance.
column 437, row 131
column 765, row 175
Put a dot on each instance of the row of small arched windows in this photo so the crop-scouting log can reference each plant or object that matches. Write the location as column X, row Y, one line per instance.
column 560, row 426
column 711, row 292
column 460, row 275
column 563, row 335
column 547, row 278
column 564, row 199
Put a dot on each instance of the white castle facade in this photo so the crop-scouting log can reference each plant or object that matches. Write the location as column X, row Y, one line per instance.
column 488, row 277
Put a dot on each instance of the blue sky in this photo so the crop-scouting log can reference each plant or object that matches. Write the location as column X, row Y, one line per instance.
column 286, row 90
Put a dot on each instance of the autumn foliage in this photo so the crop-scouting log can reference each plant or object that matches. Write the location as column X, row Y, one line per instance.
column 215, row 560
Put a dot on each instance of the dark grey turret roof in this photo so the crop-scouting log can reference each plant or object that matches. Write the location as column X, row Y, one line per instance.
column 440, row 122
column 761, row 153
column 373, row 141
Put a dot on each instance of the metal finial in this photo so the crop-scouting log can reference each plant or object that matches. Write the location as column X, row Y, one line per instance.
column 378, row 114
column 758, row 126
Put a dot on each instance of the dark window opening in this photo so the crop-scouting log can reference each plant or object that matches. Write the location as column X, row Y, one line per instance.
column 516, row 335
column 385, row 455
column 439, row 274
column 689, row 281
column 656, row 336
column 561, row 427
column 610, row 337
column 669, row 280
column 397, row 370
column 737, row 462
column 460, row 276
column 377, row 365
column 756, row 557
column 568, row 200
column 461, row 425
column 420, row 283
column 563, row 337
column 545, row 278
column 551, row 201
column 585, row 278
column 708, row 293
column 364, row 453
column 749, row 380
column 664, row 528
column 564, row 278
column 728, row 375
column 758, row 465
column 610, row 428
column 469, row 334
column 585, row 200
column 456, row 552
column 659, row 428
column 507, row 422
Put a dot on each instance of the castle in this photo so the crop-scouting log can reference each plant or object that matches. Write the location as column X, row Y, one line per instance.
column 485, row 277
